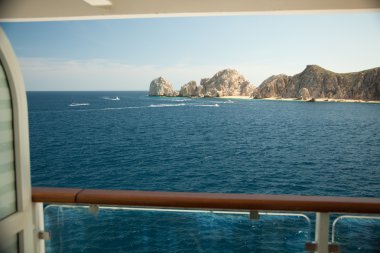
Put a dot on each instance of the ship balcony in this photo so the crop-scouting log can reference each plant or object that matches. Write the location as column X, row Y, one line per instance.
column 143, row 221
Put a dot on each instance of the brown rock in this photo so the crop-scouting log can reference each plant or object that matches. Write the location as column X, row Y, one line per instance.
column 322, row 83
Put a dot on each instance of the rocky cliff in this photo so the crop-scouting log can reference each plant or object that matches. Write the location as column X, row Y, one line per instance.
column 227, row 82
column 161, row 87
column 316, row 82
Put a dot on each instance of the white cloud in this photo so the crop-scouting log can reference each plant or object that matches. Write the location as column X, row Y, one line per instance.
column 100, row 74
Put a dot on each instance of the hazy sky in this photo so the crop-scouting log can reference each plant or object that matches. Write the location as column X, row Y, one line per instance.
column 128, row 54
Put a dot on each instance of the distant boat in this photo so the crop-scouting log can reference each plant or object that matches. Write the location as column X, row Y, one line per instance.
column 79, row 104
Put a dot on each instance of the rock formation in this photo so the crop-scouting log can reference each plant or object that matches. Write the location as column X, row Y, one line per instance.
column 189, row 90
column 313, row 82
column 316, row 82
column 161, row 87
column 304, row 94
column 227, row 82
column 272, row 87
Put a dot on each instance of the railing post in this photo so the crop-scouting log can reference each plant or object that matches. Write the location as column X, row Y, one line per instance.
column 38, row 220
column 322, row 230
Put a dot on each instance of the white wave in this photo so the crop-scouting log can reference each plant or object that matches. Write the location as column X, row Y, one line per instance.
column 137, row 107
column 121, row 108
column 167, row 105
column 222, row 102
column 214, row 105
column 79, row 104
column 181, row 100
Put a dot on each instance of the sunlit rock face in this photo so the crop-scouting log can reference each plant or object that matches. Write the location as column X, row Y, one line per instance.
column 273, row 86
column 316, row 82
column 161, row 87
column 189, row 90
column 227, row 82
column 304, row 94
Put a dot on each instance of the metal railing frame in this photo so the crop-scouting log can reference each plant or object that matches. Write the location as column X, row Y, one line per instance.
column 349, row 217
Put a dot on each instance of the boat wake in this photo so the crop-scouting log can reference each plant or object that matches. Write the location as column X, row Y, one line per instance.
column 121, row 108
column 140, row 107
column 79, row 104
column 167, row 105
column 223, row 102
column 214, row 105
column 181, row 100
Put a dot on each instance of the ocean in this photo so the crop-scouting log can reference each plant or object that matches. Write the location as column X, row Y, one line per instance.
column 92, row 140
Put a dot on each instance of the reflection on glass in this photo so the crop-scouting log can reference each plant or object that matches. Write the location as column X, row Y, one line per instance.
column 355, row 234
column 75, row 229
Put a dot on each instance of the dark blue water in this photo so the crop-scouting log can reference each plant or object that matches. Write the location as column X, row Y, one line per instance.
column 204, row 145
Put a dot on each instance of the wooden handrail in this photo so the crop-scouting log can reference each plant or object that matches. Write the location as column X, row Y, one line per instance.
column 207, row 200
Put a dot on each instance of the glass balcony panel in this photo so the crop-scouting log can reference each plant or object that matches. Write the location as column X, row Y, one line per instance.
column 75, row 229
column 358, row 234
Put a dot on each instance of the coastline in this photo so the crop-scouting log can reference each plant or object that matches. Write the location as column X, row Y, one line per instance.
column 331, row 100
column 327, row 100
column 235, row 97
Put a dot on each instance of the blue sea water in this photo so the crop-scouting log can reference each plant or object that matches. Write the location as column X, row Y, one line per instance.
column 89, row 140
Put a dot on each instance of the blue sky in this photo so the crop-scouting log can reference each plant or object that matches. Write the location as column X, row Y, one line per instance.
column 127, row 54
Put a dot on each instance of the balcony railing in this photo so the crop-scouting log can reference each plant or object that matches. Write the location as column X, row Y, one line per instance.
column 247, row 204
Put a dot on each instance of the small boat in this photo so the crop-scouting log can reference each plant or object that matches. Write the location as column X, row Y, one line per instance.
column 112, row 98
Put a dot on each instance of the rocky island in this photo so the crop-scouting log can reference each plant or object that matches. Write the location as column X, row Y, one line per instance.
column 227, row 82
column 313, row 84
column 161, row 87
